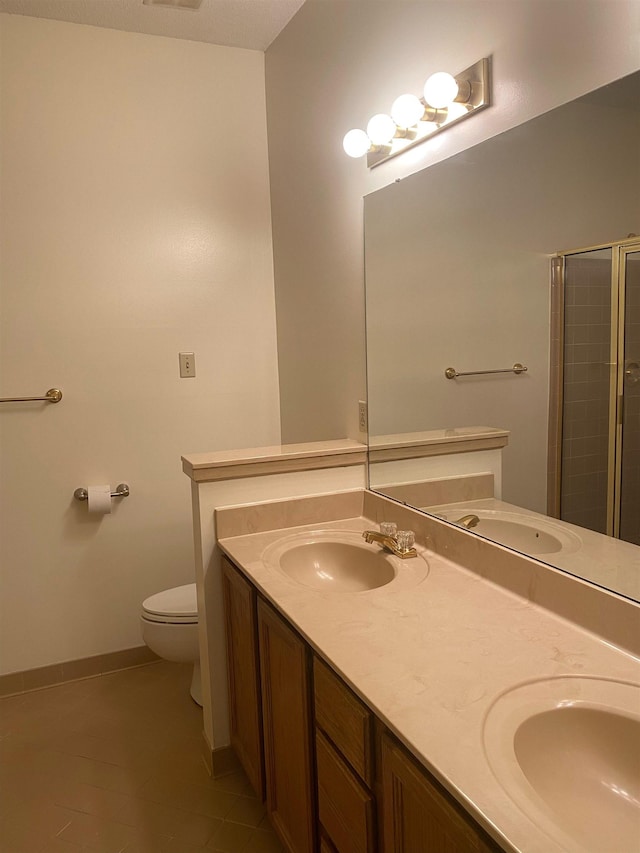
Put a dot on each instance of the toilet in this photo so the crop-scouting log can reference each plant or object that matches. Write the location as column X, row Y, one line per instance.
column 169, row 623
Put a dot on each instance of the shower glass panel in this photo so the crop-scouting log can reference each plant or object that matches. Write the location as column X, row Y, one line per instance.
column 630, row 416
column 599, row 465
column 587, row 380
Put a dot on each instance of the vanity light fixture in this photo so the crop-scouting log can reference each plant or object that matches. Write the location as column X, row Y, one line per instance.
column 446, row 100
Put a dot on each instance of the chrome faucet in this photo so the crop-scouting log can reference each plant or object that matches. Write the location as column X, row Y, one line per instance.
column 468, row 521
column 400, row 544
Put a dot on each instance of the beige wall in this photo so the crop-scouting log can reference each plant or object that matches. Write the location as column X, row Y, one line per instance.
column 337, row 63
column 135, row 224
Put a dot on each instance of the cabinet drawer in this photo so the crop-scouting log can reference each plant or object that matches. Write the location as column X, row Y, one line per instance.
column 345, row 807
column 343, row 717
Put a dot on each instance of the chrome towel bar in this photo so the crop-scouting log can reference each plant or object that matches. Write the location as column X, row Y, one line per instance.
column 122, row 491
column 53, row 395
column 452, row 373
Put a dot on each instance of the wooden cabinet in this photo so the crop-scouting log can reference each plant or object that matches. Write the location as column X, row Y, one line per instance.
column 286, row 707
column 418, row 814
column 344, row 719
column 245, row 717
column 344, row 785
column 346, row 808
column 344, row 764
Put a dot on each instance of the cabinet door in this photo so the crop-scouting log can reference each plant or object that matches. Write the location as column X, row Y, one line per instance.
column 245, row 717
column 418, row 817
column 285, row 675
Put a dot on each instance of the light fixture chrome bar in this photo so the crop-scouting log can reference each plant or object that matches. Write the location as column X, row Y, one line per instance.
column 478, row 78
column 452, row 373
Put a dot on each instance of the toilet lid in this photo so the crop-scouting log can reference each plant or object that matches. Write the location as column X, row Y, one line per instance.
column 179, row 602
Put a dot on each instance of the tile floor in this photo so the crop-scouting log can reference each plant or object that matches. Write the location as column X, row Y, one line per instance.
column 112, row 765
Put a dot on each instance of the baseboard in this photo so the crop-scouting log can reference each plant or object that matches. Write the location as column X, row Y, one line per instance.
column 74, row 670
column 219, row 762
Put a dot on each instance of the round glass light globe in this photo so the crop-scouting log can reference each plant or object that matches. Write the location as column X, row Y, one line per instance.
column 356, row 143
column 407, row 110
column 455, row 111
column 440, row 90
column 381, row 129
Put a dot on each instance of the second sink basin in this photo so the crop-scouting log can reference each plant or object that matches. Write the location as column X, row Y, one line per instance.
column 567, row 750
column 340, row 561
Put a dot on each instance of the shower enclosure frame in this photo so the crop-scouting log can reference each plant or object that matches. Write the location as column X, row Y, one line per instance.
column 620, row 250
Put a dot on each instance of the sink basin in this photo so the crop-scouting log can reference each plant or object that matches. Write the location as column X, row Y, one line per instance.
column 531, row 536
column 567, row 750
column 340, row 561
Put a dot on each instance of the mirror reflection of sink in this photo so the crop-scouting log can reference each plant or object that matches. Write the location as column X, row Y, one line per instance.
column 340, row 561
column 567, row 750
column 532, row 536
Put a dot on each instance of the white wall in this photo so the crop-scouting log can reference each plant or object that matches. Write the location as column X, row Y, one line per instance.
column 135, row 224
column 337, row 63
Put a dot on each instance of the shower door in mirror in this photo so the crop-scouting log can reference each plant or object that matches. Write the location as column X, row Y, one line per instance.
column 599, row 414
column 628, row 474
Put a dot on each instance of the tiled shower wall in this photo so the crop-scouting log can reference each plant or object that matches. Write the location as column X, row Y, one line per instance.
column 585, row 424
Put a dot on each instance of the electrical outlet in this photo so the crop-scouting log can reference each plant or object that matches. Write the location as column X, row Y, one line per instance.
column 187, row 365
column 363, row 420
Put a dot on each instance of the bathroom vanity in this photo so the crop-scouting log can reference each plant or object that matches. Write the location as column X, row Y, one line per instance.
column 391, row 719
column 470, row 698
column 287, row 705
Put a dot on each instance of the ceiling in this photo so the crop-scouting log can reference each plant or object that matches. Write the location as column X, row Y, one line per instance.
column 251, row 24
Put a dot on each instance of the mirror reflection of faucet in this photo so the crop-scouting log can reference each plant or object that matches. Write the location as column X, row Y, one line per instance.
column 468, row 521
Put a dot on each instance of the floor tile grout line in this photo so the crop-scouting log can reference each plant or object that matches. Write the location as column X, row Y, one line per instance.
column 126, row 719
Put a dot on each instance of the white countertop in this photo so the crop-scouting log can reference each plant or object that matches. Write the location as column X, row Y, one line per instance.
column 431, row 659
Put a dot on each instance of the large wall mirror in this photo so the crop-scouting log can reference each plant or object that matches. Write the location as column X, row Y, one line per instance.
column 519, row 251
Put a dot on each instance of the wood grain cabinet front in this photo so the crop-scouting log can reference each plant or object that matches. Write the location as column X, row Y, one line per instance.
column 286, row 706
column 245, row 714
column 419, row 817
column 346, row 808
column 345, row 784
column 344, row 719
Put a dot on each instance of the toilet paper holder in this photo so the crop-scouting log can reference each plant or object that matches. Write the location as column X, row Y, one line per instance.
column 122, row 491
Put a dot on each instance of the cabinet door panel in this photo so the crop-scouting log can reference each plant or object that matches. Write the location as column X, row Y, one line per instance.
column 284, row 669
column 417, row 816
column 245, row 717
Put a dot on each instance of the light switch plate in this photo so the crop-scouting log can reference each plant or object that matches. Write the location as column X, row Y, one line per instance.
column 187, row 365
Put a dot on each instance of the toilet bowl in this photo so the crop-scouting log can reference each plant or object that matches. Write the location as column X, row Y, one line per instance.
column 169, row 623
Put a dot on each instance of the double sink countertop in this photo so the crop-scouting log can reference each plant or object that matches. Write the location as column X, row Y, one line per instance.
column 436, row 659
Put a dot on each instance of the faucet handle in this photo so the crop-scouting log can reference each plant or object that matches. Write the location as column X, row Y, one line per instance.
column 405, row 539
column 388, row 528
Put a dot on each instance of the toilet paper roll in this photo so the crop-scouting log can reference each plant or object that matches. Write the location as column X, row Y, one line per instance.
column 99, row 499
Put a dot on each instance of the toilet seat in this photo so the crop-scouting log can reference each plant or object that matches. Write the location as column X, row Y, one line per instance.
column 173, row 606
